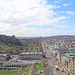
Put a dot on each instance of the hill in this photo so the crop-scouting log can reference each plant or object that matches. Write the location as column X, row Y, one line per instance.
column 9, row 40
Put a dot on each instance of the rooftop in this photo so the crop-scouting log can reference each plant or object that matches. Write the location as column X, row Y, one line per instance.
column 70, row 55
column 3, row 54
column 71, row 49
column 27, row 53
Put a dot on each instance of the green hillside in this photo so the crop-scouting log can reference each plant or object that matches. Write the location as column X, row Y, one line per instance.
column 3, row 47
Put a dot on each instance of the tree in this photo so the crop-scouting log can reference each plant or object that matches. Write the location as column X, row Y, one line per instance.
column 33, row 67
column 48, row 70
column 44, row 61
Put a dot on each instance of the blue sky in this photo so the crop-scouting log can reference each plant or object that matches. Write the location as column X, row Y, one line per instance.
column 34, row 18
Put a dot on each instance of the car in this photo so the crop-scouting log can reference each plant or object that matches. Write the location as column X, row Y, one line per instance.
column 62, row 70
column 28, row 59
column 56, row 67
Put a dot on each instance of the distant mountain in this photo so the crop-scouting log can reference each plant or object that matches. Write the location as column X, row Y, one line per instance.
column 57, row 36
column 27, row 37
column 9, row 40
column 64, row 36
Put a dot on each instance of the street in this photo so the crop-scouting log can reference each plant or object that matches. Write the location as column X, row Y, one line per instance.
column 50, row 61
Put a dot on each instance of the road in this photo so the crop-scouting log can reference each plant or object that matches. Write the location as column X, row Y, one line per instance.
column 50, row 61
column 14, row 58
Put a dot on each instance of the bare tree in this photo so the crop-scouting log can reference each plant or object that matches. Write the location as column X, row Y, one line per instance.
column 33, row 69
column 48, row 70
column 44, row 61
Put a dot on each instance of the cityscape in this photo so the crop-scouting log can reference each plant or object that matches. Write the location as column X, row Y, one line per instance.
column 37, row 56
column 37, row 37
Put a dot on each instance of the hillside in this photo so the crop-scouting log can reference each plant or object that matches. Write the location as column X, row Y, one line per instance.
column 9, row 44
column 9, row 40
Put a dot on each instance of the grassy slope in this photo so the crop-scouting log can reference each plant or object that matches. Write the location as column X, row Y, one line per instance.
column 22, row 71
column 3, row 47
column 39, row 67
column 28, row 70
column 8, row 72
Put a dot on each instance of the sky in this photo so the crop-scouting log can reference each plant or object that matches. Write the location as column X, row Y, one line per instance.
column 34, row 18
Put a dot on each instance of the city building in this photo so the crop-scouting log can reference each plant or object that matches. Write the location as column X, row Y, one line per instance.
column 31, row 55
column 68, row 62
column 4, row 57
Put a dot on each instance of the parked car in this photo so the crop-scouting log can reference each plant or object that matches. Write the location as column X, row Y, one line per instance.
column 62, row 70
column 56, row 67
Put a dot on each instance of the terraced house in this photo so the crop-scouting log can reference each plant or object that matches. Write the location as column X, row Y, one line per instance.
column 68, row 62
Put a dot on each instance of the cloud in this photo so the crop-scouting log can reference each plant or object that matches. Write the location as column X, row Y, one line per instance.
column 68, row 12
column 16, row 14
column 34, row 32
column 66, row 5
column 27, row 12
column 62, row 26
column 57, row 1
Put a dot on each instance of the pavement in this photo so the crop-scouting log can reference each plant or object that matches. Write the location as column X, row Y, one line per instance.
column 31, row 70
column 25, row 71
